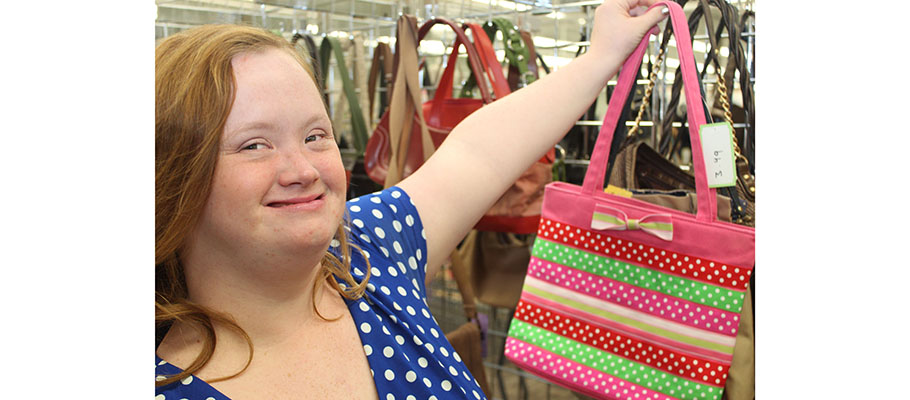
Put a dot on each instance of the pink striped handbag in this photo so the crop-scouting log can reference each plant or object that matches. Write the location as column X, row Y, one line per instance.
column 628, row 300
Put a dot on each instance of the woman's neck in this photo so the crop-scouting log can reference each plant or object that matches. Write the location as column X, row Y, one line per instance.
column 274, row 322
column 268, row 293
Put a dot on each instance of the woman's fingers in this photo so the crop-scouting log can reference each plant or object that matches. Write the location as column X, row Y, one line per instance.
column 620, row 24
column 653, row 16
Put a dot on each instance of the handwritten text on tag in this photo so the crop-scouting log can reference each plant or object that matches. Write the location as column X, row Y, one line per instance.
column 717, row 145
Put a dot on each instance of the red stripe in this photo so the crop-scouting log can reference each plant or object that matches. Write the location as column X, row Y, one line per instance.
column 666, row 261
column 652, row 354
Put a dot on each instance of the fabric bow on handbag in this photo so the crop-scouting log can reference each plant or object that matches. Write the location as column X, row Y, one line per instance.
column 606, row 218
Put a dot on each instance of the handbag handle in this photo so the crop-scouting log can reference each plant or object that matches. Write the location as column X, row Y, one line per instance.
column 313, row 52
column 358, row 125
column 473, row 59
column 519, row 52
column 405, row 101
column 532, row 53
column 594, row 178
column 488, row 60
column 381, row 68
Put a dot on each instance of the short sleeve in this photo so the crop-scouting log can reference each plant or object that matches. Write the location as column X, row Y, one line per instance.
column 387, row 227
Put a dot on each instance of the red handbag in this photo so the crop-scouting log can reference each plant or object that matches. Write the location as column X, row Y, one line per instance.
column 441, row 113
column 518, row 210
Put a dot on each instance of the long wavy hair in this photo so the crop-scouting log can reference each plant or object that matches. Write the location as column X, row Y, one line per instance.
column 194, row 92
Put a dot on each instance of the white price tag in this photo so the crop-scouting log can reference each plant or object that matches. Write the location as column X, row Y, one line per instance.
column 717, row 145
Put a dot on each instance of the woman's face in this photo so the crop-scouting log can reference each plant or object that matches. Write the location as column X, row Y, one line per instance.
column 279, row 181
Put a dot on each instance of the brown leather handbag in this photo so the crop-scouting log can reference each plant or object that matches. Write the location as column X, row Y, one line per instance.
column 467, row 339
column 498, row 263
column 743, row 195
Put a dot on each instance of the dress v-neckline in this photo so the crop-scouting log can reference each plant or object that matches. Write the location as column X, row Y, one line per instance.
column 193, row 378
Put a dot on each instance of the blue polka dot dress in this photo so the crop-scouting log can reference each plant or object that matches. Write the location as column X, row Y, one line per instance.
column 408, row 353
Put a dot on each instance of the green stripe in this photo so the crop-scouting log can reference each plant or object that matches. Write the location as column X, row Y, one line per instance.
column 645, row 278
column 607, row 218
column 658, row 225
column 630, row 371
column 629, row 321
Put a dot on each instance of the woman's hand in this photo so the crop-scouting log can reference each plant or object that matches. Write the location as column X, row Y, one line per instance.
column 619, row 25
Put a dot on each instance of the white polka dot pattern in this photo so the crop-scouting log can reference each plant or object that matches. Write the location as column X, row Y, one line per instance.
column 649, row 301
column 631, row 319
column 650, row 354
column 710, row 271
column 642, row 277
column 393, row 320
column 582, row 379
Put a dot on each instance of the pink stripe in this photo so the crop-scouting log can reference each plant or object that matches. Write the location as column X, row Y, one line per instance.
column 636, row 333
column 575, row 376
column 642, row 300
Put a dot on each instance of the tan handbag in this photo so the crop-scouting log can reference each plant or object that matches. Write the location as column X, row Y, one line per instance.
column 497, row 263
column 467, row 339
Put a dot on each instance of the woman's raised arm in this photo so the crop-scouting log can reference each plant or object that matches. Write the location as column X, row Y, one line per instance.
column 491, row 148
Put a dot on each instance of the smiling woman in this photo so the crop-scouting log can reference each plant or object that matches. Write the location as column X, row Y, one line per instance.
column 215, row 142
column 251, row 246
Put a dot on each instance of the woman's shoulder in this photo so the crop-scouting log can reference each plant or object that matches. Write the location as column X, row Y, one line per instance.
column 386, row 228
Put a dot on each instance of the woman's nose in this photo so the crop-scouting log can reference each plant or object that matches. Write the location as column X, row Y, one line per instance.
column 296, row 168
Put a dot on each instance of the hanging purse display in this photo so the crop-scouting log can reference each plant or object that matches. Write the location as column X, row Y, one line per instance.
column 497, row 262
column 519, row 51
column 518, row 209
column 625, row 298
column 743, row 194
column 310, row 50
column 441, row 113
column 380, row 74
column 329, row 47
column 468, row 338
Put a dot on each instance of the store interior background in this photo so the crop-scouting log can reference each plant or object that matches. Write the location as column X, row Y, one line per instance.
column 557, row 28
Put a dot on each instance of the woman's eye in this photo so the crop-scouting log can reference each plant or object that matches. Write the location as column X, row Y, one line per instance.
column 255, row 146
column 315, row 137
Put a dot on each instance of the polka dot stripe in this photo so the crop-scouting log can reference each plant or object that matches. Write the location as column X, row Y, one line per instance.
column 642, row 277
column 642, row 300
column 578, row 377
column 601, row 337
column 689, row 266
column 607, row 363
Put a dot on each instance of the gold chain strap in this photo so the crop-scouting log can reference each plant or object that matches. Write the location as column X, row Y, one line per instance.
column 647, row 98
column 725, row 103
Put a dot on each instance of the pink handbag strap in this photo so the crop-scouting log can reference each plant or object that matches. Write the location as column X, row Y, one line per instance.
column 594, row 178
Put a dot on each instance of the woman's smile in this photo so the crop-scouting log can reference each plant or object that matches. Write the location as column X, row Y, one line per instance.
column 305, row 203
